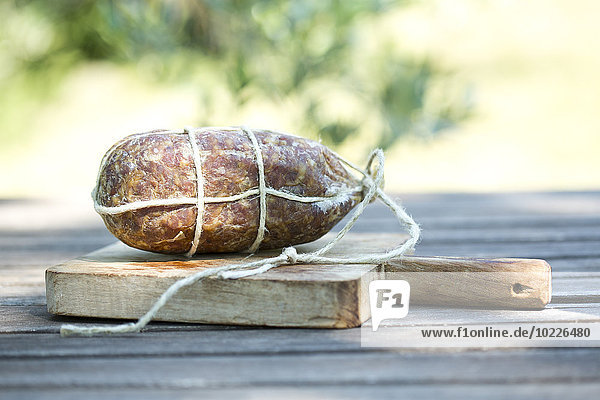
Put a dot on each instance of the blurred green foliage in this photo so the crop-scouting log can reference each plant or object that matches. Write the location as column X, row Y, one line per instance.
column 311, row 54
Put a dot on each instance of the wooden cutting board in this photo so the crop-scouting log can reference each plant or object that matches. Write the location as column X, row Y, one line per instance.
column 121, row 282
column 118, row 281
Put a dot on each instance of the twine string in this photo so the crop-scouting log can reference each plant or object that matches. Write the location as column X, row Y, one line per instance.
column 371, row 189
column 199, row 191
column 262, row 191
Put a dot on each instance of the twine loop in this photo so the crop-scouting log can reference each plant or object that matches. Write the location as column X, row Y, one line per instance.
column 373, row 174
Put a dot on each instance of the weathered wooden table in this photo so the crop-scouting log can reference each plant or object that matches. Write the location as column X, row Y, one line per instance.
column 184, row 360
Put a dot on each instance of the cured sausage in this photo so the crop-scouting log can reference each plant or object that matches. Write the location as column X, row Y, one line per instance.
column 221, row 190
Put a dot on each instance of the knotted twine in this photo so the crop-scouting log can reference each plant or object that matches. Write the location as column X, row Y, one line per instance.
column 372, row 179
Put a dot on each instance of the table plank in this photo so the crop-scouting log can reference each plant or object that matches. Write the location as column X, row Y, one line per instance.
column 366, row 367
column 36, row 319
column 417, row 391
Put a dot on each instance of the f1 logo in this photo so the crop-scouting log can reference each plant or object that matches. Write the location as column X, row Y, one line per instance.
column 389, row 299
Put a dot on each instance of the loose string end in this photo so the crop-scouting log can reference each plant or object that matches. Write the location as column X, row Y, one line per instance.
column 67, row 330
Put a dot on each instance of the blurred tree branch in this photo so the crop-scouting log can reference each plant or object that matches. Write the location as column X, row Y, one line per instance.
column 306, row 51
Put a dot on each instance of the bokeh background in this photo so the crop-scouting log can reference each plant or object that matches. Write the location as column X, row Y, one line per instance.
column 464, row 95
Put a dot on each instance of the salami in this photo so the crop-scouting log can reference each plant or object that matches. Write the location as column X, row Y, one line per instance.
column 221, row 190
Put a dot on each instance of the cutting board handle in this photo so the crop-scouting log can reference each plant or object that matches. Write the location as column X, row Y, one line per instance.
column 508, row 283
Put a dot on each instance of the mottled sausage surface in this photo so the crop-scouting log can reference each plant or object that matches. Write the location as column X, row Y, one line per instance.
column 160, row 165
